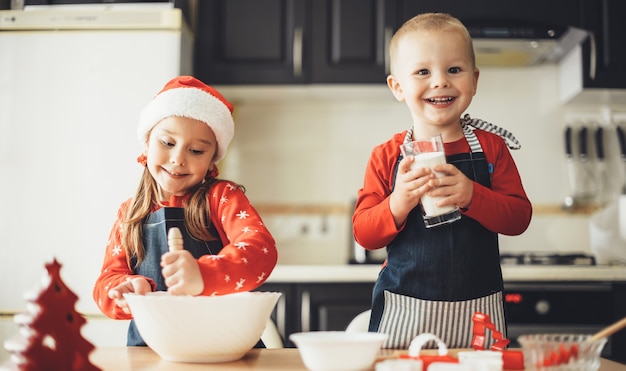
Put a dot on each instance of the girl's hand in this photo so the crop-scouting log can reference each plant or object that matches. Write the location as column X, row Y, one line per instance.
column 410, row 185
column 455, row 187
column 137, row 285
column 182, row 273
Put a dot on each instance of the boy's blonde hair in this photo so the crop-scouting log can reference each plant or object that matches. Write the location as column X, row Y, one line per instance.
column 429, row 22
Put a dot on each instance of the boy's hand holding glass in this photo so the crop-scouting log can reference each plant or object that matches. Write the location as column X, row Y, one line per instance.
column 428, row 153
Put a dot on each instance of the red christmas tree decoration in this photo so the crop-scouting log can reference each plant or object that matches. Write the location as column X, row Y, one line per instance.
column 50, row 337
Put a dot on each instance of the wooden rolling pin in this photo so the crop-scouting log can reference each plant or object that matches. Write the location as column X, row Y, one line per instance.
column 174, row 239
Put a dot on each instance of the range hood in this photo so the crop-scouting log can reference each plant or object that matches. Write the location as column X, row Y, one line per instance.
column 514, row 45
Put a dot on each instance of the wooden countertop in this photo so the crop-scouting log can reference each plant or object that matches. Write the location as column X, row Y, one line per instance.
column 369, row 273
column 143, row 358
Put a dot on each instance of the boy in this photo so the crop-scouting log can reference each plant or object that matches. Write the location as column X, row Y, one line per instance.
column 435, row 279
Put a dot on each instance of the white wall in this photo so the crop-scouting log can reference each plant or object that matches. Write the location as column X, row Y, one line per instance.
column 309, row 145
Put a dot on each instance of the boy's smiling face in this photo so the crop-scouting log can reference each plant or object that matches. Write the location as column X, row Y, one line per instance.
column 433, row 72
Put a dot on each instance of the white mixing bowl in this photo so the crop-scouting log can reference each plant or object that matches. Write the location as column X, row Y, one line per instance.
column 338, row 350
column 202, row 329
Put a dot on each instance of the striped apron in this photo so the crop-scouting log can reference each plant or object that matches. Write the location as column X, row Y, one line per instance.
column 435, row 279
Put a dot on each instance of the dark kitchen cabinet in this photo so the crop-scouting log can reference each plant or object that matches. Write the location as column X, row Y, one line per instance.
column 604, row 55
column 283, row 314
column 251, row 41
column 331, row 306
column 350, row 39
column 548, row 12
column 618, row 340
column 293, row 41
column 318, row 306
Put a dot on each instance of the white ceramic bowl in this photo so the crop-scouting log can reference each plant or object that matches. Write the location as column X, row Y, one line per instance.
column 565, row 352
column 202, row 329
column 338, row 350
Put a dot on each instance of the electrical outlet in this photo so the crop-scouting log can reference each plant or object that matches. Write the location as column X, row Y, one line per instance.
column 315, row 226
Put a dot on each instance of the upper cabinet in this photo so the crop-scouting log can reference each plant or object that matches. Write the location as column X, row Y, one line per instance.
column 345, row 41
column 349, row 40
column 604, row 55
column 251, row 41
column 598, row 64
column 549, row 12
column 293, row 41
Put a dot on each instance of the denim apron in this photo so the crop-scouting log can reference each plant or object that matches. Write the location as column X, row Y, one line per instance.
column 436, row 278
column 155, row 230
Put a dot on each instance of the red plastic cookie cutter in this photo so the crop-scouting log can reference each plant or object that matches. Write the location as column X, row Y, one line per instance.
column 512, row 359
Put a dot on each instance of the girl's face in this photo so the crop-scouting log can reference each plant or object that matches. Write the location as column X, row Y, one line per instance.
column 180, row 152
column 435, row 75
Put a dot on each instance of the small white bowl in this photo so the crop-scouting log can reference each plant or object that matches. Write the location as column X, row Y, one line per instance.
column 338, row 350
column 201, row 329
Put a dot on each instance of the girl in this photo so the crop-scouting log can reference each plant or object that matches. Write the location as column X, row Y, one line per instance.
column 185, row 131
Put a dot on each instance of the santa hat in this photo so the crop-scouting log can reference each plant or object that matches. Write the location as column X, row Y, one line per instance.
column 189, row 97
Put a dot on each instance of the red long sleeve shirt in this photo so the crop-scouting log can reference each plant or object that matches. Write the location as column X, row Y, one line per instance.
column 504, row 208
column 246, row 260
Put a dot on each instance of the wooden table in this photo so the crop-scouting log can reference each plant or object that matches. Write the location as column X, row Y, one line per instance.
column 143, row 358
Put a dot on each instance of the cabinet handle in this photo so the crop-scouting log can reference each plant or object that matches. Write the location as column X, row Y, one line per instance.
column 281, row 312
column 593, row 57
column 297, row 52
column 305, row 312
column 606, row 46
column 388, row 36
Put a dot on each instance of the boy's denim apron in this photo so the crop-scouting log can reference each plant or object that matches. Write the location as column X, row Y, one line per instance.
column 436, row 278
column 155, row 243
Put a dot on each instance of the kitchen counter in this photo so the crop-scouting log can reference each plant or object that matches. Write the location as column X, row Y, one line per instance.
column 143, row 358
column 369, row 273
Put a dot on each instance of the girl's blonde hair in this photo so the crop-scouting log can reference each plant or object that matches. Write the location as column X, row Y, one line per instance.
column 430, row 22
column 197, row 215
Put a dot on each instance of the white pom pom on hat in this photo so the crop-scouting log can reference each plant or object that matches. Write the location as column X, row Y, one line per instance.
column 186, row 96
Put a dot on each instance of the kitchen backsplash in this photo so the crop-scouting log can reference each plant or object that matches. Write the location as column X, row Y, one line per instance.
column 308, row 145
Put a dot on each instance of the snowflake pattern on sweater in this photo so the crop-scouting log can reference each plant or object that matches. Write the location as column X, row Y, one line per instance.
column 245, row 262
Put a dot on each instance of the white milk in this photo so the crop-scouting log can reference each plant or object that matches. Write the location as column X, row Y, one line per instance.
column 430, row 159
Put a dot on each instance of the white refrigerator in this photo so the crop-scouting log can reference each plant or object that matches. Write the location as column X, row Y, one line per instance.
column 72, row 84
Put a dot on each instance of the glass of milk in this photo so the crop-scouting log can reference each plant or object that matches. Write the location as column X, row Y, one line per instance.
column 428, row 153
